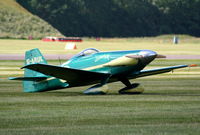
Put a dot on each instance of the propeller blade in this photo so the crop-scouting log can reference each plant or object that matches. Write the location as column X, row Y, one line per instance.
column 160, row 56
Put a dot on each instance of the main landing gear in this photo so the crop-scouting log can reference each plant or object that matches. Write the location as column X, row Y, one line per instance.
column 99, row 89
column 102, row 88
column 134, row 88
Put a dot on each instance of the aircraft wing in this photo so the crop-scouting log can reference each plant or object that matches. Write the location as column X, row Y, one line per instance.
column 72, row 76
column 28, row 78
column 160, row 70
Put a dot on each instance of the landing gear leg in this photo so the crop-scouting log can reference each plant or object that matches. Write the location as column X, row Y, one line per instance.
column 134, row 88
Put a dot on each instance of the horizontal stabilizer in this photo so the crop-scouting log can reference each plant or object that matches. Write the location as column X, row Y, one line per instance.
column 159, row 70
column 73, row 76
column 28, row 78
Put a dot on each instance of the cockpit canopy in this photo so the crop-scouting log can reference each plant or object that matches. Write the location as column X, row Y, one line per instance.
column 87, row 52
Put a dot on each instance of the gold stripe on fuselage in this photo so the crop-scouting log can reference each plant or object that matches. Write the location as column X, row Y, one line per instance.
column 121, row 61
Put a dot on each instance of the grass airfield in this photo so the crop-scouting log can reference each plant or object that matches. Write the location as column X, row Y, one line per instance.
column 170, row 104
column 162, row 45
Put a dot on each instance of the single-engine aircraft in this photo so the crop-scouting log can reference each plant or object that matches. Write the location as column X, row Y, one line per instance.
column 90, row 67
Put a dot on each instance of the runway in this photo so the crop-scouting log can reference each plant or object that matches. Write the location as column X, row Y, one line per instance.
column 47, row 56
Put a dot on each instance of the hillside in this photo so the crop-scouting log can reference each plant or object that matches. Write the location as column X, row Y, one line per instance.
column 17, row 22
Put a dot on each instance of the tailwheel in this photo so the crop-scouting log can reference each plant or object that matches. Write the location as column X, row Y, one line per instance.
column 134, row 88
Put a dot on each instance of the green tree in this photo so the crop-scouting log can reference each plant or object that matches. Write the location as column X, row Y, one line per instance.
column 119, row 18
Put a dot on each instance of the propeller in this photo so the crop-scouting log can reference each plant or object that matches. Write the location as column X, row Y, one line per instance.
column 160, row 56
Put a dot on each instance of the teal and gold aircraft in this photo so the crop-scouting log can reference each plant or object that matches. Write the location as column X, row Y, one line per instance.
column 90, row 67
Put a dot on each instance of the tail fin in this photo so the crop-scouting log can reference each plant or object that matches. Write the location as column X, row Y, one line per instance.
column 32, row 57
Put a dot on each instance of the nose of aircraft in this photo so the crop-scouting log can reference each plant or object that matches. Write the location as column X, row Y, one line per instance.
column 147, row 56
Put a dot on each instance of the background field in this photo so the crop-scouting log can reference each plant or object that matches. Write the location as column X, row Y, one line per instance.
column 170, row 104
column 163, row 44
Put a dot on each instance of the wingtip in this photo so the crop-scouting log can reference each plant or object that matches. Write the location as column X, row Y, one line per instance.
column 24, row 66
column 30, row 65
column 193, row 65
column 11, row 78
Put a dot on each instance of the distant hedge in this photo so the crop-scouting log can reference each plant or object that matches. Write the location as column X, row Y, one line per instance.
column 119, row 18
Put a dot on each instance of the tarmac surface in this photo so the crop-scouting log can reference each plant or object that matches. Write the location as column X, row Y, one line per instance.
column 65, row 57
column 47, row 56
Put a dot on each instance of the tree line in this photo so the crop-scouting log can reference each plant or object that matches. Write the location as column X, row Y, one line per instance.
column 118, row 18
